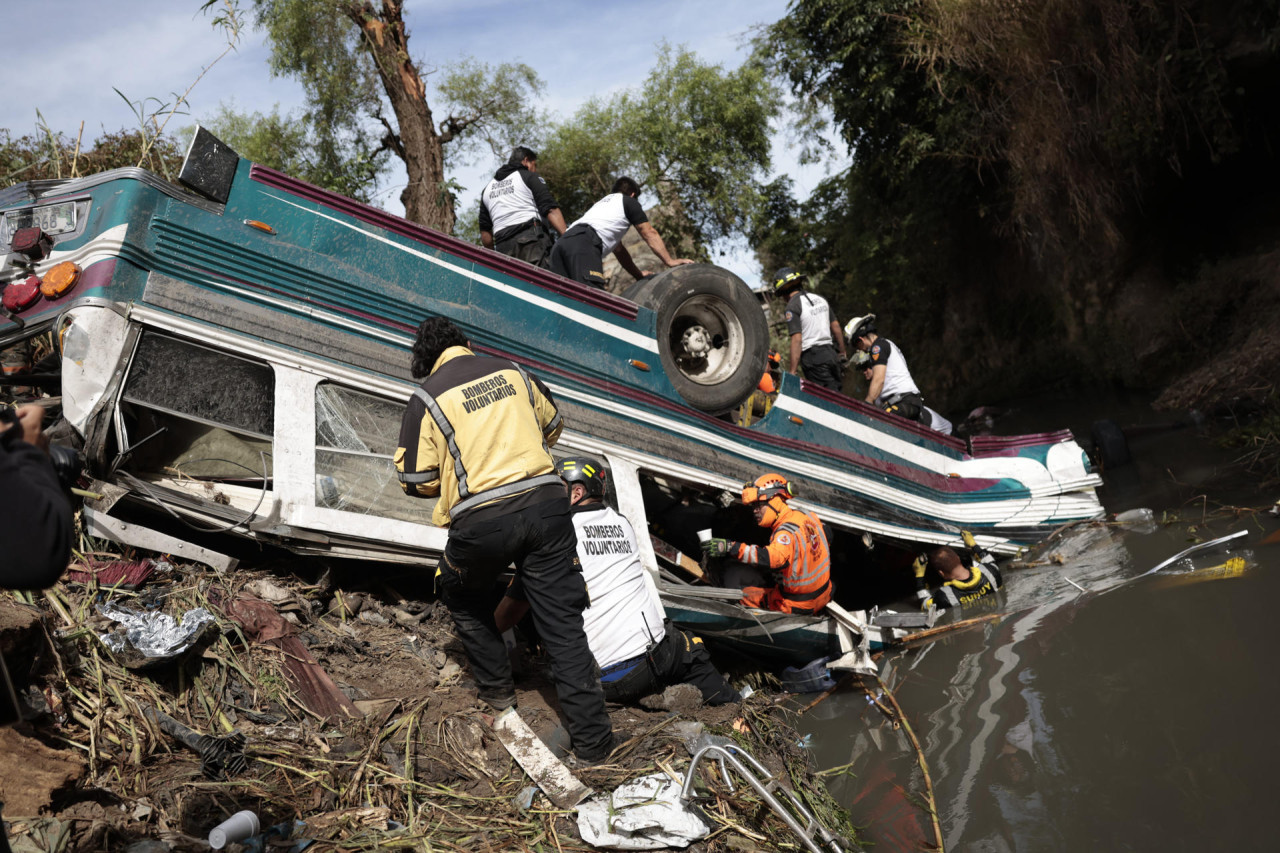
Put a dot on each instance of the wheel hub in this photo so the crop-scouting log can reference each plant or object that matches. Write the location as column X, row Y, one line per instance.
column 696, row 341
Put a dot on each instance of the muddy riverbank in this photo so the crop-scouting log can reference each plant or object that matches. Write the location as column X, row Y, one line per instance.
column 342, row 712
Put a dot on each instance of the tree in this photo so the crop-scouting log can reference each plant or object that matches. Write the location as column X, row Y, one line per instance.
column 883, row 232
column 695, row 134
column 295, row 145
column 1011, row 163
column 343, row 50
column 1084, row 103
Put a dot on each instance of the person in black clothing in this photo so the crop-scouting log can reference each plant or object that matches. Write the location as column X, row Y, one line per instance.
column 35, row 515
column 817, row 341
column 515, row 209
column 475, row 436
column 965, row 579
column 579, row 254
column 35, row 523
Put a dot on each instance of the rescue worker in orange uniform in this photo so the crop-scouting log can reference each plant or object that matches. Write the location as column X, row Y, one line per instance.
column 797, row 553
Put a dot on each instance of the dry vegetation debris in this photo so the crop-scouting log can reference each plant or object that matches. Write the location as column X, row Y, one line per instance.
column 401, row 757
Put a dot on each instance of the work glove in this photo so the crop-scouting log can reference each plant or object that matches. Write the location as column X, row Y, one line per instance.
column 978, row 552
column 715, row 547
column 919, row 566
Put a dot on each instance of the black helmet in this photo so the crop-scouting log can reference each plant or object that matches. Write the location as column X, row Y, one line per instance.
column 585, row 470
column 786, row 278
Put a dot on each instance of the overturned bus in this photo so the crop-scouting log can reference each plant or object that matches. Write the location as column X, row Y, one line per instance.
column 235, row 352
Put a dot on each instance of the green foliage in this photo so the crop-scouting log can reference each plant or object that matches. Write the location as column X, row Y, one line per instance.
column 468, row 225
column 289, row 143
column 881, row 234
column 848, row 57
column 485, row 108
column 313, row 42
column 1083, row 103
column 695, row 134
column 489, row 110
column 50, row 155
column 581, row 158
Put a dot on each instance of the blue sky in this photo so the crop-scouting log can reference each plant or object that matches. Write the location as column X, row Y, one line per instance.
column 153, row 48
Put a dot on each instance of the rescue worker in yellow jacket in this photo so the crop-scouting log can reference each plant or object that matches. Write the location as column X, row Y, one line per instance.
column 964, row 580
column 476, row 435
column 797, row 553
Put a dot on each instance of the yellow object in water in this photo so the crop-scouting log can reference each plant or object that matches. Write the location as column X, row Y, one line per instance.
column 1232, row 568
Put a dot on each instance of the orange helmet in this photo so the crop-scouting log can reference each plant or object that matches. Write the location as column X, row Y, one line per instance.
column 774, row 491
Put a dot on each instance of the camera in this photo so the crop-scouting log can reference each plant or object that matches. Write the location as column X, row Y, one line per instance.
column 68, row 464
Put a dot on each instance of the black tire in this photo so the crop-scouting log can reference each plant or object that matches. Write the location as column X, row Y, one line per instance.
column 713, row 338
column 1110, row 444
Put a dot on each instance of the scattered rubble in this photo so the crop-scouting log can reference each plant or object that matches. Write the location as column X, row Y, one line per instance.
column 339, row 713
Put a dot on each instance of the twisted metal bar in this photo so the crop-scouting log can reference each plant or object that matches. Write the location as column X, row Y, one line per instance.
column 725, row 754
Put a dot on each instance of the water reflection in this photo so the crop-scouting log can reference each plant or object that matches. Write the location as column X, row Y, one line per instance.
column 1130, row 716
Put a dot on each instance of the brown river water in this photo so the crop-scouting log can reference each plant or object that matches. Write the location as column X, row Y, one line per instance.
column 1134, row 715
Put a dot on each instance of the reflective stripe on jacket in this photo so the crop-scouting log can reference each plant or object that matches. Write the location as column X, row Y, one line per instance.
column 476, row 432
column 798, row 555
column 984, row 579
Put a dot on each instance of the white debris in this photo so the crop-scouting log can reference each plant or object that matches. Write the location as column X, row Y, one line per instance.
column 646, row 814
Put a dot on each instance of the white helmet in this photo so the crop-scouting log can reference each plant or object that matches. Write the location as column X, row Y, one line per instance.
column 856, row 325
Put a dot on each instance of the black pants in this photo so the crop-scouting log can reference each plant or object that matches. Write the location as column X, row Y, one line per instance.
column 821, row 364
column 579, row 255
column 540, row 540
column 909, row 406
column 679, row 658
column 530, row 242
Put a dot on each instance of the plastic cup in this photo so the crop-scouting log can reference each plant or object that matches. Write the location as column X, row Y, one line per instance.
column 704, row 535
column 239, row 827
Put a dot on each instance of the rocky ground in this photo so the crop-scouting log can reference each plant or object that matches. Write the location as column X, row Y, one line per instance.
column 338, row 712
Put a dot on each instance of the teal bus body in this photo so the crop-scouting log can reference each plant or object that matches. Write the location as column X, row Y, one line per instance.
column 306, row 271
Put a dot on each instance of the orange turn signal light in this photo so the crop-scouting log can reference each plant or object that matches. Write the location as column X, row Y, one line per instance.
column 60, row 279
column 261, row 226
column 638, row 364
column 796, row 419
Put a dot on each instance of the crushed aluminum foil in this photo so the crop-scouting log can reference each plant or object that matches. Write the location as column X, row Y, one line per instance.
column 156, row 635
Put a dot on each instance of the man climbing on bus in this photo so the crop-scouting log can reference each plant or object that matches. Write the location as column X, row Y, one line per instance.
column 579, row 253
column 816, row 340
column 515, row 209
column 890, row 386
column 797, row 554
column 965, row 579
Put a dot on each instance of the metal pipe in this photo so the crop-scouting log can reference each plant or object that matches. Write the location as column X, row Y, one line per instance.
column 726, row 753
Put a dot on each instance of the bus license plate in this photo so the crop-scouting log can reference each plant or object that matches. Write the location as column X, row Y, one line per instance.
column 51, row 218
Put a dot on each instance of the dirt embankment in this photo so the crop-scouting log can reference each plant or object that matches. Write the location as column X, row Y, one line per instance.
column 348, row 710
